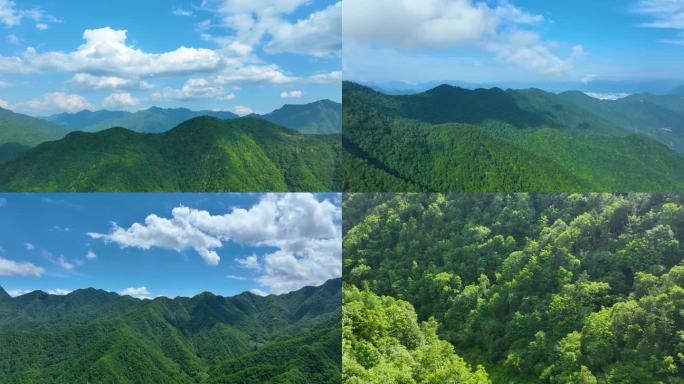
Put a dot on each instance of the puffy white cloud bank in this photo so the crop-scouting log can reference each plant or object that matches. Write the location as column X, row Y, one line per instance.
column 496, row 27
column 304, row 230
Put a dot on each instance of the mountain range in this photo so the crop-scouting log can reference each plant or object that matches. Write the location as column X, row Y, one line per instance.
column 454, row 139
column 96, row 336
column 201, row 154
column 318, row 117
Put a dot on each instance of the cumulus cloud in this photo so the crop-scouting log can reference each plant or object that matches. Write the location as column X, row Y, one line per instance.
column 195, row 88
column 41, row 26
column 11, row 267
column 4, row 104
column 60, row 260
column 250, row 262
column 59, row 291
column 29, row 246
column 258, row 292
column 502, row 29
column 58, row 102
column 318, row 35
column 242, row 110
column 11, row 16
column 91, row 255
column 120, row 99
column 291, row 94
column 102, row 82
column 304, row 230
column 138, row 293
column 329, row 77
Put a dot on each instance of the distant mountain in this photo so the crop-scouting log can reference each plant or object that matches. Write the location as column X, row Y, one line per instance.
column 454, row 139
column 100, row 337
column 152, row 120
column 201, row 154
column 24, row 130
column 657, row 116
column 320, row 117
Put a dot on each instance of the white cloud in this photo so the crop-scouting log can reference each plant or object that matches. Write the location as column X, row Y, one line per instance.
column 607, row 96
column 64, row 263
column 138, row 293
column 120, row 99
column 57, row 101
column 41, row 26
column 60, row 260
column 304, row 230
column 181, row 12
column 91, row 255
column 258, row 292
column 322, row 78
column 4, row 104
column 444, row 24
column 10, row 16
column 195, row 88
column 250, row 262
column 59, row 292
column 235, row 277
column 29, row 246
column 10, row 267
column 319, row 35
column 588, row 78
column 100, row 82
column 17, row 292
column 664, row 14
column 241, row 110
column 291, row 94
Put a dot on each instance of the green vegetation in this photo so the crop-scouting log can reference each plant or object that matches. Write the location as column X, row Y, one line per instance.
column 99, row 337
column 18, row 129
column 452, row 139
column 320, row 117
column 537, row 288
column 659, row 117
column 202, row 154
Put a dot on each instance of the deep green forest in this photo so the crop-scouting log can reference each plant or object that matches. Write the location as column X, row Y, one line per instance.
column 201, row 154
column 526, row 288
column 94, row 336
column 494, row 140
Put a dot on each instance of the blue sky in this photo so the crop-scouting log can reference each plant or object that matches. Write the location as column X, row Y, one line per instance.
column 527, row 41
column 168, row 244
column 65, row 56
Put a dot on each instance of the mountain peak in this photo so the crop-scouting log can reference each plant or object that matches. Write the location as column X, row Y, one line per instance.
column 3, row 294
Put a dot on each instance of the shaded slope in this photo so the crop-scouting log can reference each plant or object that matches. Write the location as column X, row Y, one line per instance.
column 19, row 129
column 320, row 117
column 202, row 154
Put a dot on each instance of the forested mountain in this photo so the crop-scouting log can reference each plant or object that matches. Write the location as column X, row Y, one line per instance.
column 152, row 120
column 660, row 117
column 18, row 129
column 452, row 139
column 100, row 337
column 202, row 154
column 537, row 288
column 322, row 117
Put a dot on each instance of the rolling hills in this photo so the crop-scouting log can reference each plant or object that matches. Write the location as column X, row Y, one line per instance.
column 321, row 117
column 201, row 154
column 100, row 337
column 23, row 130
column 453, row 139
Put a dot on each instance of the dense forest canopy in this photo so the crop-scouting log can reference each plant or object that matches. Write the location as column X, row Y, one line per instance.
column 204, row 154
column 100, row 337
column 453, row 139
column 537, row 288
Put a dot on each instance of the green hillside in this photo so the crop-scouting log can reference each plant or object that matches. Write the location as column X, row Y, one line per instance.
column 660, row 117
column 19, row 129
column 452, row 139
column 202, row 154
column 320, row 117
column 537, row 288
column 99, row 337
